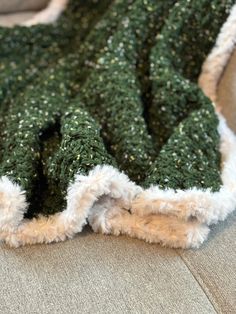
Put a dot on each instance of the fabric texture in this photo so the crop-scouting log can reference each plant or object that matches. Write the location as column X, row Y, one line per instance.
column 226, row 94
column 9, row 20
column 214, row 266
column 112, row 87
column 93, row 274
column 15, row 12
column 14, row 6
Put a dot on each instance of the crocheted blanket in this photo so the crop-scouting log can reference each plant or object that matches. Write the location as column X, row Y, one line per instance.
column 102, row 122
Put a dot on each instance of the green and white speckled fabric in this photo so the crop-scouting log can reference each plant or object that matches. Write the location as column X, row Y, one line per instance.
column 112, row 82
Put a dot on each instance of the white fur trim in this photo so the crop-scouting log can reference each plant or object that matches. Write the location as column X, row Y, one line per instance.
column 166, row 230
column 12, row 204
column 82, row 195
column 112, row 204
column 218, row 58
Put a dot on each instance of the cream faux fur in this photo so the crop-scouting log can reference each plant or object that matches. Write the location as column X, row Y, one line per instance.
column 12, row 204
column 153, row 228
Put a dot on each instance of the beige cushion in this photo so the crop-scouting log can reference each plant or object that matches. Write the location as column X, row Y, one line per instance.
column 94, row 273
column 7, row 6
column 227, row 92
column 214, row 266
column 11, row 19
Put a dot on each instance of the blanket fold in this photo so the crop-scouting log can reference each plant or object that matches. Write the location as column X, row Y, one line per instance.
column 102, row 122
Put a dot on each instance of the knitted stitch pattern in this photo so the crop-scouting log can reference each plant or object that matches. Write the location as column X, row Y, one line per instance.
column 110, row 83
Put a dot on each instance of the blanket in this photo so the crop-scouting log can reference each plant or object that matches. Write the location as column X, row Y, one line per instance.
column 103, row 122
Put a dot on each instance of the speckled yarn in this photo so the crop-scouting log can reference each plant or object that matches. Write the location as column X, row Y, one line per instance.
column 112, row 82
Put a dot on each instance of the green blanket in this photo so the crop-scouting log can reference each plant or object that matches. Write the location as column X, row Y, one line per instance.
column 102, row 122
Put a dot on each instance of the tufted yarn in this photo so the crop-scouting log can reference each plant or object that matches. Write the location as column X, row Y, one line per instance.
column 115, row 83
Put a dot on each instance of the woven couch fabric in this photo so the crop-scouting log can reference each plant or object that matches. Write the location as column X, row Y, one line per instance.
column 92, row 274
column 15, row 6
column 226, row 94
column 114, row 83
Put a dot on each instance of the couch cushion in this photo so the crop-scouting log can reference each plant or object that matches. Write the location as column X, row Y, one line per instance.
column 227, row 92
column 7, row 6
column 214, row 266
column 11, row 19
column 98, row 274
